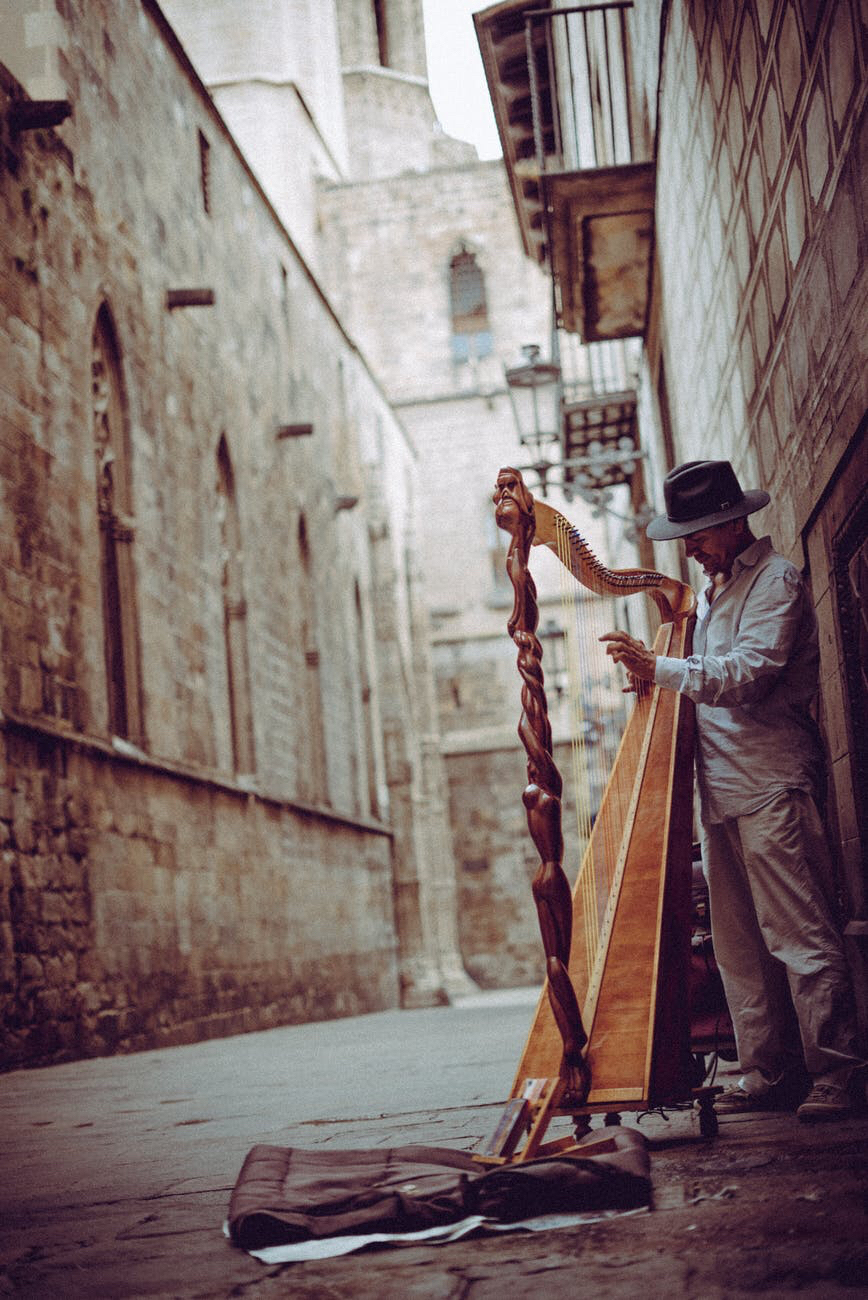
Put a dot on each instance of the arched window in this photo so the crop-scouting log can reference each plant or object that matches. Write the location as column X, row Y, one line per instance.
column 234, row 616
column 313, row 778
column 471, row 333
column 116, row 532
column 367, row 709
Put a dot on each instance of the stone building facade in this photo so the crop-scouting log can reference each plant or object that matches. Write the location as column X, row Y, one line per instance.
column 754, row 338
column 762, row 130
column 408, row 223
column 406, row 209
column 221, row 802
column 391, row 243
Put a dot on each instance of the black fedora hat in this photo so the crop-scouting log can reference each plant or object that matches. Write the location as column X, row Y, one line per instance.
column 700, row 494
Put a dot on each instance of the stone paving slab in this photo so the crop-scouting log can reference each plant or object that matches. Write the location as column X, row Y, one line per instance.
column 117, row 1174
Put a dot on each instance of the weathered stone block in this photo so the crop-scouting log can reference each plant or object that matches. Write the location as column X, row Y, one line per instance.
column 31, row 972
column 54, row 908
column 24, row 834
column 90, row 998
column 49, row 1004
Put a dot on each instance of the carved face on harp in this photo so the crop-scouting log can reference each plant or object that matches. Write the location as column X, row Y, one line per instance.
column 512, row 501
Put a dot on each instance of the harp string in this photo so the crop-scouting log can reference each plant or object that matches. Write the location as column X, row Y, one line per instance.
column 581, row 752
column 595, row 717
column 585, row 758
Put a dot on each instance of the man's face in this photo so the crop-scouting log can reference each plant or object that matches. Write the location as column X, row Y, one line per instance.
column 716, row 548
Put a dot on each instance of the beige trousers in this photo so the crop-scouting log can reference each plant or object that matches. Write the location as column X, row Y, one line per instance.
column 775, row 941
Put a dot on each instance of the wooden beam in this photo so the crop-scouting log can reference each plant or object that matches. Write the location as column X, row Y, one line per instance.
column 30, row 114
column 294, row 430
column 189, row 298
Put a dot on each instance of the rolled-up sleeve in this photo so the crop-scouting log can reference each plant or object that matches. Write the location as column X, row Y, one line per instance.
column 760, row 650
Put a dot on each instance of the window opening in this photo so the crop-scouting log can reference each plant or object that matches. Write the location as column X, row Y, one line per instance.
column 382, row 32
column 471, row 332
column 116, row 534
column 313, row 780
column 284, row 290
column 367, row 709
column 205, row 172
column 234, row 617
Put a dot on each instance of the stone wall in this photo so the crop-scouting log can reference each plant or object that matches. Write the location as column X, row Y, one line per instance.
column 388, row 244
column 144, row 908
column 758, row 338
column 496, row 862
column 276, row 79
column 159, row 883
column 760, row 122
column 82, row 229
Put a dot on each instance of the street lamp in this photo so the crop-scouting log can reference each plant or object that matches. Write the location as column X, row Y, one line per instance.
column 534, row 389
column 597, row 445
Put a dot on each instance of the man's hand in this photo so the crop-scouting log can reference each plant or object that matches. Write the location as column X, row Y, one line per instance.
column 636, row 658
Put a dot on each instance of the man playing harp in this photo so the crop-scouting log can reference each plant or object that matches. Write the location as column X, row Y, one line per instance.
column 753, row 675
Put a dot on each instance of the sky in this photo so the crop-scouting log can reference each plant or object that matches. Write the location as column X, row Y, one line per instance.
column 455, row 75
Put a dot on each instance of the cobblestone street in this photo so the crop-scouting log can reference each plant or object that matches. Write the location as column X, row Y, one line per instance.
column 118, row 1173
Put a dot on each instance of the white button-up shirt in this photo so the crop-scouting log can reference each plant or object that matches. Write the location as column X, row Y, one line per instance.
column 753, row 676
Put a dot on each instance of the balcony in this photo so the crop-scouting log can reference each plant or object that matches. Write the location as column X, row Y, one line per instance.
column 577, row 154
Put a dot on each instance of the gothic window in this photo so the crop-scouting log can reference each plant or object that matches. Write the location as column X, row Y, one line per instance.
column 313, row 783
column 234, row 616
column 471, row 333
column 116, row 534
column 367, row 708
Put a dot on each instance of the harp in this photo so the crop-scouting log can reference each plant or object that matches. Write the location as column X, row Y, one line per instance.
column 611, row 1030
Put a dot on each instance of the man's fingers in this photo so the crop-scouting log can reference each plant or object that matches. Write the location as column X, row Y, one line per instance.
column 621, row 640
column 635, row 657
column 617, row 644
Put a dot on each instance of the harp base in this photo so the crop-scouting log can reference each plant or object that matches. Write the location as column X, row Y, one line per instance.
column 521, row 1128
column 519, row 1133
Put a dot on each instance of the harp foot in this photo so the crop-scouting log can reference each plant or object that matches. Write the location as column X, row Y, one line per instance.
column 613, row 1119
column 708, row 1125
column 581, row 1126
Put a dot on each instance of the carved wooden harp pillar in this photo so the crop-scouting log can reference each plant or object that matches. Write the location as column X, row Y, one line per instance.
column 612, row 1022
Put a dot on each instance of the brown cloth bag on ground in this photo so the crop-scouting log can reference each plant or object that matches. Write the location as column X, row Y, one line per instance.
column 287, row 1194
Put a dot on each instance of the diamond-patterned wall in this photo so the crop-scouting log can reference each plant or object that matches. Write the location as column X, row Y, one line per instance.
column 762, row 302
column 760, row 230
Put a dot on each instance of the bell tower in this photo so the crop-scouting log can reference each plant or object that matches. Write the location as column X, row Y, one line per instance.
column 391, row 122
column 387, row 34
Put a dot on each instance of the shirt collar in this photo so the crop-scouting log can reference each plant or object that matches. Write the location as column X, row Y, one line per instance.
column 746, row 560
column 752, row 554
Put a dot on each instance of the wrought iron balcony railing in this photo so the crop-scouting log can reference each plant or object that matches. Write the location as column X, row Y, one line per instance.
column 577, row 147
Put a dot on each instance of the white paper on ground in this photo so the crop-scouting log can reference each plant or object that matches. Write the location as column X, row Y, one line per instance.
column 331, row 1247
